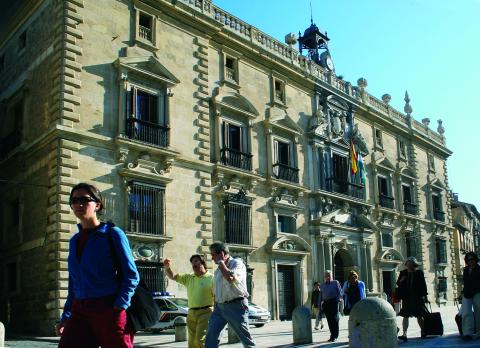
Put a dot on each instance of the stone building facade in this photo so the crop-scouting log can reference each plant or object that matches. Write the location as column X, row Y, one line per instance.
column 466, row 236
column 198, row 127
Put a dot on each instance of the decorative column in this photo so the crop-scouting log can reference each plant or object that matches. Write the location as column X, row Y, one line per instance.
column 363, row 260
column 320, row 258
column 369, row 265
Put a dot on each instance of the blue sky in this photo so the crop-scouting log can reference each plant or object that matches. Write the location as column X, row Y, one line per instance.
column 429, row 47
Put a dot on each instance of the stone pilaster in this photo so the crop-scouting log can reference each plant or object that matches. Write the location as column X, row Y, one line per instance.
column 201, row 97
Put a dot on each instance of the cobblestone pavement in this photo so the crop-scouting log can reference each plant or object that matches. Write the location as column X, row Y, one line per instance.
column 278, row 334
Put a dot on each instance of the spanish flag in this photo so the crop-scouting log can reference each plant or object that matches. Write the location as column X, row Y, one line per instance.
column 353, row 158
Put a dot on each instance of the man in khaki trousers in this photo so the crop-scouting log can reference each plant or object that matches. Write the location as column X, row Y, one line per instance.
column 199, row 286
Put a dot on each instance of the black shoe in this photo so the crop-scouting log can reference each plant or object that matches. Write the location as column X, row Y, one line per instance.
column 331, row 339
column 467, row 338
column 403, row 338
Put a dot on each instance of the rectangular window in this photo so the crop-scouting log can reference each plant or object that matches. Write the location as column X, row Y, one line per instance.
column 339, row 174
column 385, row 199
column 442, row 284
column 402, row 148
column 408, row 206
column 147, row 119
column 22, row 40
column 279, row 90
column 12, row 277
column 387, row 240
column 234, row 150
column 154, row 275
column 238, row 219
column 411, row 244
column 230, row 69
column 283, row 167
column 286, row 224
column 145, row 26
column 378, row 138
column 438, row 213
column 2, row 63
column 441, row 250
column 146, row 209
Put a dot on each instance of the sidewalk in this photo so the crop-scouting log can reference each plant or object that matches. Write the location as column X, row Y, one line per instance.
column 279, row 334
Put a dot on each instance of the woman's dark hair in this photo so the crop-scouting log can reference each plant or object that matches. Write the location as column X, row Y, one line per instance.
column 470, row 255
column 92, row 191
column 316, row 283
column 200, row 257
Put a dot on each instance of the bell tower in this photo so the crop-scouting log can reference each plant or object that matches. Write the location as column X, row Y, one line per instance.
column 316, row 44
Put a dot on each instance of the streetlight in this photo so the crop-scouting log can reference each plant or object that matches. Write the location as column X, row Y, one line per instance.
column 331, row 240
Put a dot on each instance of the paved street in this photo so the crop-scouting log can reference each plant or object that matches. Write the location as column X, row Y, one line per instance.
column 279, row 334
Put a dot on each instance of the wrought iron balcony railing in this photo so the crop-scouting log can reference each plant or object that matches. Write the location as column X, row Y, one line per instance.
column 237, row 159
column 345, row 187
column 410, row 208
column 386, row 201
column 439, row 215
column 148, row 132
column 284, row 172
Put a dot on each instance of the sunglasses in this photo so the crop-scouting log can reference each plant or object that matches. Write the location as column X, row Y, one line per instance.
column 81, row 200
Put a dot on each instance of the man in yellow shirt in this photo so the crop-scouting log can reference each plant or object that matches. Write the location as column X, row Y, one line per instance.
column 199, row 286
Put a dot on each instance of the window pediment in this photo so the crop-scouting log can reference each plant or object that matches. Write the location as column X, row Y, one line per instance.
column 390, row 256
column 146, row 67
column 291, row 244
column 386, row 164
column 284, row 122
column 233, row 102
column 437, row 183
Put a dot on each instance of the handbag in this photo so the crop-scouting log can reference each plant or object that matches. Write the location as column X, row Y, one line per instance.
column 143, row 312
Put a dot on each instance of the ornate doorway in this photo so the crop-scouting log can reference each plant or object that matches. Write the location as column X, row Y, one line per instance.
column 343, row 264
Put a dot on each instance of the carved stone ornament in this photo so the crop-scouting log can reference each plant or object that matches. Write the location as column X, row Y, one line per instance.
column 337, row 122
column 145, row 165
column 122, row 155
column 288, row 245
column 318, row 122
column 144, row 252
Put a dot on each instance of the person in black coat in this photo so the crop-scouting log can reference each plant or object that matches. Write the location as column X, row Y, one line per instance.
column 412, row 290
column 471, row 296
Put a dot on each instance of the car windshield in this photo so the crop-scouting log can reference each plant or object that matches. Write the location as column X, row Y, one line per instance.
column 182, row 302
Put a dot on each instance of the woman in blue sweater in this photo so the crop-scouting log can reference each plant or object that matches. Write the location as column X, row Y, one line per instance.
column 353, row 291
column 94, row 313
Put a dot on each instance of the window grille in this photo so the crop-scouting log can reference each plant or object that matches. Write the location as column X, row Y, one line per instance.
column 238, row 218
column 146, row 207
column 154, row 275
column 441, row 250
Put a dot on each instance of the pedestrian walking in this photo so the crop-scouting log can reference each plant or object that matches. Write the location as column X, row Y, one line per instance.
column 231, row 298
column 471, row 297
column 330, row 294
column 94, row 312
column 199, row 286
column 315, row 305
column 353, row 291
column 412, row 290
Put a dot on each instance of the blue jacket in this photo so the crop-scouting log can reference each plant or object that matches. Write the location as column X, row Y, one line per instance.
column 93, row 275
column 361, row 287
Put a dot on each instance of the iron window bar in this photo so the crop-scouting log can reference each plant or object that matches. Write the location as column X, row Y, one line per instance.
column 148, row 132
column 235, row 158
column 285, row 172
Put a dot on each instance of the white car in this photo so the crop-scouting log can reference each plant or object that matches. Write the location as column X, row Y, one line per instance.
column 171, row 308
column 257, row 315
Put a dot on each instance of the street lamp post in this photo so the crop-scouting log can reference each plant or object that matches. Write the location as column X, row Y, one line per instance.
column 331, row 239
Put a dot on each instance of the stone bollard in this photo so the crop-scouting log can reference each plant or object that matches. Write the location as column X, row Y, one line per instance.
column 2, row 335
column 302, row 325
column 180, row 329
column 372, row 324
column 232, row 336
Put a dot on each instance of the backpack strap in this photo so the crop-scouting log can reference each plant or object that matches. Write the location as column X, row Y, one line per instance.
column 116, row 263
